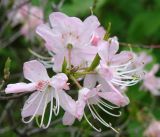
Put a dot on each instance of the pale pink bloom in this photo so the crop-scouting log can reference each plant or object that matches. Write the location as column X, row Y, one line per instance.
column 153, row 130
column 29, row 16
column 151, row 82
column 116, row 67
column 45, row 89
column 69, row 37
column 91, row 97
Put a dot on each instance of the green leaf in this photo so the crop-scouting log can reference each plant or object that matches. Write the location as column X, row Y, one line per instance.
column 64, row 66
column 95, row 63
column 7, row 69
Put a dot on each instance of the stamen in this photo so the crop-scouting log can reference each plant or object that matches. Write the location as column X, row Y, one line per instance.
column 114, row 115
column 98, row 130
column 51, row 112
column 44, row 110
column 102, row 120
column 56, row 108
column 32, row 117
column 106, row 105
column 32, row 100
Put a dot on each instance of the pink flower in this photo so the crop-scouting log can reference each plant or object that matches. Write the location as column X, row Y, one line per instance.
column 153, row 130
column 151, row 82
column 44, row 90
column 69, row 37
column 28, row 15
column 90, row 97
column 116, row 67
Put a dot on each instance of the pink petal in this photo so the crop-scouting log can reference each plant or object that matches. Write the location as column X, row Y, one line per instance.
column 67, row 103
column 115, row 98
column 20, row 87
column 59, row 81
column 57, row 19
column 155, row 69
column 90, row 25
column 37, row 99
column 58, row 61
column 34, row 71
column 105, row 71
column 90, row 81
column 103, row 51
column 113, row 46
column 80, row 104
column 46, row 33
column 121, row 58
column 68, row 119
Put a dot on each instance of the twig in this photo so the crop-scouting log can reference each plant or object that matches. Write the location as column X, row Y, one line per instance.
column 13, row 97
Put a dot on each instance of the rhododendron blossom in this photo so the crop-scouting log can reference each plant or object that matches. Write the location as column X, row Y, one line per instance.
column 81, row 53
column 69, row 37
column 45, row 89
column 115, row 67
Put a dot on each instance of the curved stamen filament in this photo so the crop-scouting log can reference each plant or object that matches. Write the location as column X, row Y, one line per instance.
column 32, row 100
column 44, row 110
column 102, row 120
column 56, row 108
column 129, row 71
column 98, row 130
column 106, row 105
column 114, row 115
column 51, row 112
column 123, row 65
column 43, row 95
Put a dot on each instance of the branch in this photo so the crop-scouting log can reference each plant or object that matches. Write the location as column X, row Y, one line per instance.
column 13, row 97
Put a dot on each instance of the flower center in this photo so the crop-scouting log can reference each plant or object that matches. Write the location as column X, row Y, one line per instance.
column 42, row 85
column 69, row 46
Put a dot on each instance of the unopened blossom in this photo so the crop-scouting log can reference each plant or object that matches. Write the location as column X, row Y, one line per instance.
column 44, row 90
column 153, row 130
column 29, row 16
column 151, row 82
column 117, row 68
column 70, row 38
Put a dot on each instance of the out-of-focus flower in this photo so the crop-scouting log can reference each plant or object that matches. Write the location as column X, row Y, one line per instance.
column 29, row 16
column 71, row 38
column 151, row 82
column 142, row 59
column 45, row 89
column 153, row 130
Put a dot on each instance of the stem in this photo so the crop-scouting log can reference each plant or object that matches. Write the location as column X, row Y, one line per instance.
column 84, row 73
column 75, row 81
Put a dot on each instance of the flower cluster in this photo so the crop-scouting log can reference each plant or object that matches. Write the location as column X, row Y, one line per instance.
column 84, row 55
column 27, row 15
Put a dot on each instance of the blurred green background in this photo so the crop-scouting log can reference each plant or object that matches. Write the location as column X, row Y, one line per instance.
column 133, row 21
